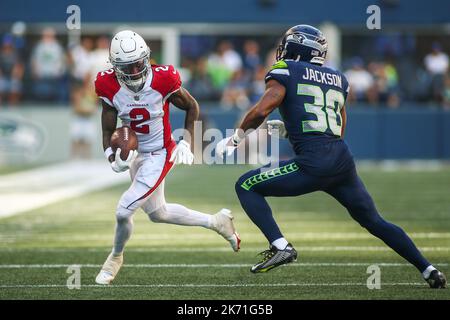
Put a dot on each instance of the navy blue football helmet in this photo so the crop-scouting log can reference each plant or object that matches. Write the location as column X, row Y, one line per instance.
column 303, row 43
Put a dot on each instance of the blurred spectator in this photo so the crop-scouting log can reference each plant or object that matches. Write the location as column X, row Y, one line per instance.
column 436, row 63
column 225, row 74
column 222, row 64
column 18, row 30
column 271, row 57
column 82, row 98
column 99, row 60
column 200, row 84
column 231, row 58
column 252, row 60
column 83, row 129
column 385, row 83
column 11, row 72
column 80, row 60
column 361, row 82
column 235, row 93
column 48, row 63
column 258, row 84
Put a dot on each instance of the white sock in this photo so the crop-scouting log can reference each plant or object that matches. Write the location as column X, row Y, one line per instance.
column 428, row 270
column 124, row 228
column 280, row 243
column 174, row 213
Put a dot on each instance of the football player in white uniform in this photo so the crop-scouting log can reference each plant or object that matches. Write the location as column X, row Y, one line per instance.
column 139, row 94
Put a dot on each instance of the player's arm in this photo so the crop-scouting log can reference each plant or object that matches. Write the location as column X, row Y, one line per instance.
column 343, row 121
column 109, row 123
column 183, row 100
column 271, row 99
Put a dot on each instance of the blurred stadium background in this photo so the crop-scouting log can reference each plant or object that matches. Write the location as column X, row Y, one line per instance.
column 399, row 74
column 50, row 151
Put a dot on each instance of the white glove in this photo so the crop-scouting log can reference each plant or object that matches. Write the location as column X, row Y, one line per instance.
column 182, row 154
column 119, row 165
column 227, row 146
column 277, row 125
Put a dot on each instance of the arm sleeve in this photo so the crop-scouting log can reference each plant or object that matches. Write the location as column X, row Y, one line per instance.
column 174, row 81
column 166, row 80
column 106, row 86
column 101, row 89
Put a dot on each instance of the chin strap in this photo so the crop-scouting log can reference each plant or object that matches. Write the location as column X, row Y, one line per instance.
column 135, row 88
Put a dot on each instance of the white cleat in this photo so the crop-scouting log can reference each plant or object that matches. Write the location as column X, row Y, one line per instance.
column 223, row 225
column 110, row 269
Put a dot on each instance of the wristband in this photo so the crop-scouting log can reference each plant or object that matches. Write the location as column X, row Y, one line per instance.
column 108, row 152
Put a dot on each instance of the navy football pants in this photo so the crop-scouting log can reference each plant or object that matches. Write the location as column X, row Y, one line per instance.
column 288, row 179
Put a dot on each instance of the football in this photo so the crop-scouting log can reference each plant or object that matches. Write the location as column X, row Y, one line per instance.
column 125, row 139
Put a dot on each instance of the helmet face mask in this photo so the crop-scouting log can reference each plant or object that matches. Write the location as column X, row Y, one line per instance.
column 133, row 74
column 303, row 43
column 130, row 55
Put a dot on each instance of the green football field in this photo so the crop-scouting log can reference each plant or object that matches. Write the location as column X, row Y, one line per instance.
column 174, row 262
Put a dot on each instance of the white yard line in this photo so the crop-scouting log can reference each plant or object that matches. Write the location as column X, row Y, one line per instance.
column 300, row 249
column 203, row 236
column 402, row 165
column 221, row 249
column 208, row 265
column 212, row 285
column 32, row 189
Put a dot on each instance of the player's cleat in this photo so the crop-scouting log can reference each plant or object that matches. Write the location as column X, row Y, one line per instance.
column 437, row 280
column 222, row 223
column 275, row 257
column 109, row 270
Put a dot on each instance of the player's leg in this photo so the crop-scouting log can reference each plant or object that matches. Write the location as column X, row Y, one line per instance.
column 124, row 225
column 127, row 206
column 161, row 212
column 287, row 179
column 350, row 191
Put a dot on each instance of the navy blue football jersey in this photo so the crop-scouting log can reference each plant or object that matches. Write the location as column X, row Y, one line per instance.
column 311, row 111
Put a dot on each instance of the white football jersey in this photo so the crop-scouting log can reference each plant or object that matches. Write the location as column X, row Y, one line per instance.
column 147, row 111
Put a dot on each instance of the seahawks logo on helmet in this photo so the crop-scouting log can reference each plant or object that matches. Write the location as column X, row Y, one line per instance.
column 295, row 37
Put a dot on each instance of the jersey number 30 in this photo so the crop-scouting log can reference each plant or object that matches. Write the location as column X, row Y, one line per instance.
column 326, row 107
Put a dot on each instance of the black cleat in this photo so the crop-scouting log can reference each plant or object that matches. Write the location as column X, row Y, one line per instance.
column 437, row 280
column 273, row 257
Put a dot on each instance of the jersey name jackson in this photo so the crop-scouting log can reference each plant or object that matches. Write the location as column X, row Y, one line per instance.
column 147, row 111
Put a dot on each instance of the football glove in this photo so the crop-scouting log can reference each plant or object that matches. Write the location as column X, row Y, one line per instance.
column 227, row 146
column 119, row 165
column 182, row 154
column 277, row 125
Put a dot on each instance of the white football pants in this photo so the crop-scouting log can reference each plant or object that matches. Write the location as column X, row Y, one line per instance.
column 147, row 173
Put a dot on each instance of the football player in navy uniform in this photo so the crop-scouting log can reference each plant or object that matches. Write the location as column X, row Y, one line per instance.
column 311, row 100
